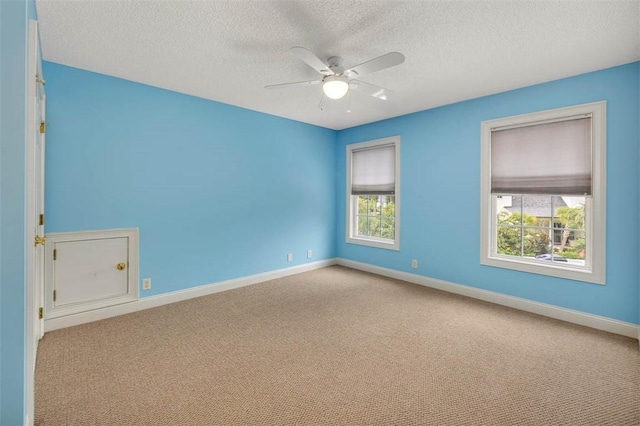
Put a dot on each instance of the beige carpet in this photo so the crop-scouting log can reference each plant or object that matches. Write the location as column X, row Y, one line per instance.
column 336, row 347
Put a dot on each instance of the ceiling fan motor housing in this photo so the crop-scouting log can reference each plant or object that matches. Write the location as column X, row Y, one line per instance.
column 335, row 64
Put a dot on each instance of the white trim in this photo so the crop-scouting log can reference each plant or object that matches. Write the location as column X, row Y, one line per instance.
column 33, row 328
column 551, row 311
column 132, row 234
column 177, row 296
column 595, row 271
column 373, row 242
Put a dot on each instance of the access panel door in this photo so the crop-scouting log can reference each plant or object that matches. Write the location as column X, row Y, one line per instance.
column 90, row 271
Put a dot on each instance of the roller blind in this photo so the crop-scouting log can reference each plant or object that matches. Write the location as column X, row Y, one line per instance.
column 550, row 158
column 373, row 171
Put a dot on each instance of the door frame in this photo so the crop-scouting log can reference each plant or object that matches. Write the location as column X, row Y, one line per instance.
column 35, row 207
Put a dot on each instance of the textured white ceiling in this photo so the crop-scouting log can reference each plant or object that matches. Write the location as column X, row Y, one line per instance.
column 229, row 50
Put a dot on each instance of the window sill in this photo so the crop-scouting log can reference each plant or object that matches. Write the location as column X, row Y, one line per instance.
column 553, row 269
column 395, row 245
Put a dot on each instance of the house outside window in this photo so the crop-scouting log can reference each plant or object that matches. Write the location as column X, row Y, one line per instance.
column 373, row 193
column 543, row 193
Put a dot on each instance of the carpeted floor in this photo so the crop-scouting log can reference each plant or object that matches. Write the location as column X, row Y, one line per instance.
column 335, row 347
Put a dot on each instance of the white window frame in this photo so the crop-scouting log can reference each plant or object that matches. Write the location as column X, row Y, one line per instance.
column 595, row 208
column 352, row 206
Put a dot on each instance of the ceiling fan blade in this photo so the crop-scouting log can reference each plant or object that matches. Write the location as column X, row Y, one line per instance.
column 309, row 58
column 369, row 89
column 297, row 83
column 382, row 62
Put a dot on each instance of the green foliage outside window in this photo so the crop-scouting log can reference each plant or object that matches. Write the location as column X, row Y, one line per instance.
column 376, row 216
column 573, row 221
column 525, row 235
column 521, row 241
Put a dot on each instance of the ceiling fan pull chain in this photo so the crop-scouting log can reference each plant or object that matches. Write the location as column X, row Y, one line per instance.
column 320, row 104
column 349, row 101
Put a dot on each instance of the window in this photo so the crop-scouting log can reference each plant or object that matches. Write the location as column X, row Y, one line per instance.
column 543, row 193
column 373, row 193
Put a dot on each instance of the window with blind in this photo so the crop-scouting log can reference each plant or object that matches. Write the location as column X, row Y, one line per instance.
column 543, row 193
column 373, row 193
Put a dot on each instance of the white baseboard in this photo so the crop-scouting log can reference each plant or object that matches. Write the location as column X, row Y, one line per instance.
column 568, row 315
column 177, row 296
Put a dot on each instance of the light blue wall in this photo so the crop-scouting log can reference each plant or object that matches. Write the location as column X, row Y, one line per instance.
column 440, row 209
column 13, row 38
column 218, row 192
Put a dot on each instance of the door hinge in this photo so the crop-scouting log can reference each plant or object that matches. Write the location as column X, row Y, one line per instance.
column 40, row 313
column 41, row 220
column 55, row 254
column 43, row 127
column 55, row 295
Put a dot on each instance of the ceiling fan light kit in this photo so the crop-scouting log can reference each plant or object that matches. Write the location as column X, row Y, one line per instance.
column 336, row 81
column 335, row 87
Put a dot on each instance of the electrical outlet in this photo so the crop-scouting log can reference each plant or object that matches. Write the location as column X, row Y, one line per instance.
column 309, row 254
column 414, row 263
column 290, row 257
column 146, row 284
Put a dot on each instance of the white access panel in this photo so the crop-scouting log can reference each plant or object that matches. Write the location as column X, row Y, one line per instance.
column 90, row 270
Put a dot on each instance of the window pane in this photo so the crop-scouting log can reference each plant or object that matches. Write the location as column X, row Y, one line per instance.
column 570, row 213
column 368, row 226
column 536, row 208
column 540, row 228
column 376, row 216
column 374, row 227
column 575, row 246
column 508, row 218
column 559, row 240
column 388, row 227
column 527, row 226
column 544, row 222
column 557, row 234
column 388, row 206
column 374, row 205
column 536, row 242
column 509, row 240
column 363, row 226
column 363, row 204
column 504, row 205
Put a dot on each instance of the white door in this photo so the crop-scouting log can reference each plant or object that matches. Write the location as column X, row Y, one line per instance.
column 35, row 209
column 90, row 270
column 39, row 219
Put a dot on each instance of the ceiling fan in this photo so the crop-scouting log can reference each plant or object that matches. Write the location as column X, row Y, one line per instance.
column 336, row 80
